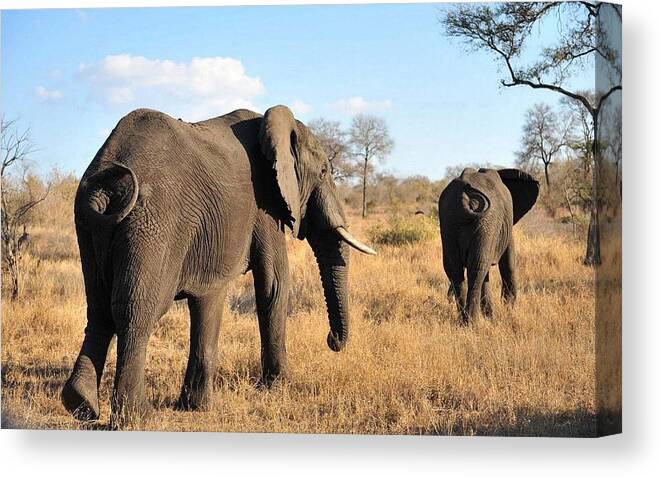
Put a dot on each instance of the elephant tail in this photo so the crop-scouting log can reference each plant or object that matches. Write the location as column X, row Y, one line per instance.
column 474, row 203
column 105, row 198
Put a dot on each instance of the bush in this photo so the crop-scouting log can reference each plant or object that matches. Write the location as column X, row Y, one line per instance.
column 400, row 231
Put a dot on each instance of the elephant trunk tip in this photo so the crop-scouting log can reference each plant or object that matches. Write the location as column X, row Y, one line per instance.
column 334, row 342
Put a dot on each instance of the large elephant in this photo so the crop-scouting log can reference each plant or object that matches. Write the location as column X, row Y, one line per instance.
column 169, row 210
column 476, row 213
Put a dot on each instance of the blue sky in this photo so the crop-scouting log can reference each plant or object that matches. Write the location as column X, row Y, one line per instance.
column 70, row 75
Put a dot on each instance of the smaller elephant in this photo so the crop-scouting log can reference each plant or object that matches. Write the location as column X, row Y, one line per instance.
column 476, row 213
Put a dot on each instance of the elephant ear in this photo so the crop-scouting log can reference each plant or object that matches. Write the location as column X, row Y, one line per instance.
column 278, row 137
column 523, row 188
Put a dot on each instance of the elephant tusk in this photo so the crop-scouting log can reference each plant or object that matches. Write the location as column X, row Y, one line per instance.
column 354, row 242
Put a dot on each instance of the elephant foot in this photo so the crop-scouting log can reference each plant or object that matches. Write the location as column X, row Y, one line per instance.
column 464, row 318
column 194, row 399
column 130, row 413
column 271, row 379
column 508, row 295
column 80, row 394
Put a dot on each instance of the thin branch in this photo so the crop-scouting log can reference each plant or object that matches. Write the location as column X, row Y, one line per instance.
column 558, row 89
column 593, row 10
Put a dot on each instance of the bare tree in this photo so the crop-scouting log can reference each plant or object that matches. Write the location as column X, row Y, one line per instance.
column 505, row 28
column 543, row 138
column 370, row 141
column 18, row 199
column 334, row 141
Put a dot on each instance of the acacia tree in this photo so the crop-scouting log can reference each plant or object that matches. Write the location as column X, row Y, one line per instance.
column 334, row 142
column 370, row 141
column 577, row 181
column 504, row 30
column 543, row 138
column 18, row 198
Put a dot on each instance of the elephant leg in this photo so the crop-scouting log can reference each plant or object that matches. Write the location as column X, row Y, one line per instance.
column 457, row 288
column 506, row 267
column 485, row 303
column 129, row 402
column 272, row 286
column 457, row 293
column 80, row 394
column 476, row 277
column 144, row 286
column 455, row 273
column 206, row 315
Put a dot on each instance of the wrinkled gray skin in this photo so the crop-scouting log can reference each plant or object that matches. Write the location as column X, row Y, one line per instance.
column 169, row 210
column 476, row 213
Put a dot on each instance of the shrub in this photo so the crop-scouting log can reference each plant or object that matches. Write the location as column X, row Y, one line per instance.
column 404, row 231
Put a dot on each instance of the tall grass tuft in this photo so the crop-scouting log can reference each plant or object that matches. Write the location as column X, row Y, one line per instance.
column 404, row 231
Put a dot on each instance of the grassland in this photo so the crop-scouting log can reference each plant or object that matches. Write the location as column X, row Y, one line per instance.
column 409, row 367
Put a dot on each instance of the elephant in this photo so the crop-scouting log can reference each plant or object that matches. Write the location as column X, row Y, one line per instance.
column 476, row 213
column 169, row 210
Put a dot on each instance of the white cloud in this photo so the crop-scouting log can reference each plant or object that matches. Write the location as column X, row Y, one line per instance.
column 300, row 107
column 119, row 95
column 198, row 89
column 357, row 104
column 46, row 94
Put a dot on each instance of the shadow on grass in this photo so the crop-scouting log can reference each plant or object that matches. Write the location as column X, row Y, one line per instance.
column 524, row 423
column 581, row 422
column 9, row 421
column 31, row 379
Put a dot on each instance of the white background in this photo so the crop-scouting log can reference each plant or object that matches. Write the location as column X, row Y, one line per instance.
column 636, row 451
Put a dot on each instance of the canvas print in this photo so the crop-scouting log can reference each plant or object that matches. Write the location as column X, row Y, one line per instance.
column 351, row 219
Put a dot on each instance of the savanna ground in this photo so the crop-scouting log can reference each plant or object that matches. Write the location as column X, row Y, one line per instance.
column 409, row 367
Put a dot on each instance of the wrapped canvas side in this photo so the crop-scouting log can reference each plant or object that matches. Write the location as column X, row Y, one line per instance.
column 608, row 180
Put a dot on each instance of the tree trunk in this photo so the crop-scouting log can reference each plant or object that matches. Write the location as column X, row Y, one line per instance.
column 365, row 189
column 593, row 252
column 593, row 249
column 571, row 211
column 546, row 176
column 14, row 272
column 14, row 284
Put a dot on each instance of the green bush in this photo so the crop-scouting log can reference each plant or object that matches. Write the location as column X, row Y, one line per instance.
column 400, row 231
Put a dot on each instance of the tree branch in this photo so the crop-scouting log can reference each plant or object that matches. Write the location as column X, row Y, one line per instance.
column 558, row 89
column 605, row 96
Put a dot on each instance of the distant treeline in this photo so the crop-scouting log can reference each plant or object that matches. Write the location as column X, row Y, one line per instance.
column 394, row 194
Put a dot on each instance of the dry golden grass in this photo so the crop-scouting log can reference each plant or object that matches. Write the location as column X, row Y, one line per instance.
column 409, row 367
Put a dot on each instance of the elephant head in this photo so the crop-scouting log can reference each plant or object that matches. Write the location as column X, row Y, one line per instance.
column 310, row 207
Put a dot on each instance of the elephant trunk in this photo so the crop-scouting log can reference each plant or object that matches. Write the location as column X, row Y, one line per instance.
column 332, row 256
